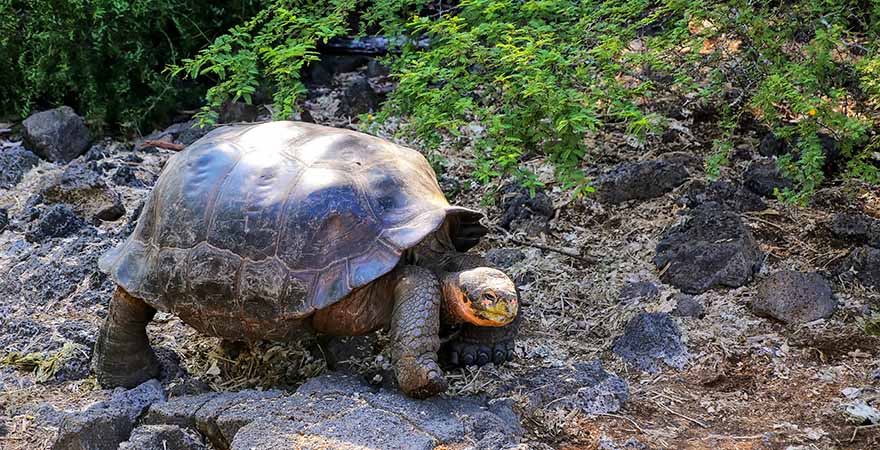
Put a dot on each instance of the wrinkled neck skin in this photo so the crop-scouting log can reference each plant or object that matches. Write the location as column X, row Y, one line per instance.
column 437, row 254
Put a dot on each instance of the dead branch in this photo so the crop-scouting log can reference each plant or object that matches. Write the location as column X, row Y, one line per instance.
column 163, row 144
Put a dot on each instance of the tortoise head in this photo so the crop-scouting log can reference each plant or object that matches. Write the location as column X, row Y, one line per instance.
column 482, row 296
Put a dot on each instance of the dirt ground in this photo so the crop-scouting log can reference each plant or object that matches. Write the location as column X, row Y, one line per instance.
column 750, row 383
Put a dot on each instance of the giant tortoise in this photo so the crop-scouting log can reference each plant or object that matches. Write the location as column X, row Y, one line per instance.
column 261, row 231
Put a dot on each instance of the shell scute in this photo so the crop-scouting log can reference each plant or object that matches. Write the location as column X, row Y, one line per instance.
column 324, row 221
column 186, row 194
column 262, row 287
column 245, row 221
column 212, row 273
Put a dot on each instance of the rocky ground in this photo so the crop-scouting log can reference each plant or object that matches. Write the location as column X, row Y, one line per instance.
column 665, row 311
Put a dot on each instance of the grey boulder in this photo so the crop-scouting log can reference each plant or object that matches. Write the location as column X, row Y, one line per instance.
column 163, row 437
column 639, row 180
column 105, row 425
column 56, row 135
column 336, row 411
column 714, row 248
column 794, row 297
column 651, row 338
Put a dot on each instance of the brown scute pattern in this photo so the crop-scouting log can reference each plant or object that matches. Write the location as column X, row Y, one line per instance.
column 184, row 196
column 371, row 265
column 295, row 302
column 265, row 223
column 212, row 276
column 324, row 221
column 246, row 221
column 332, row 285
column 172, row 276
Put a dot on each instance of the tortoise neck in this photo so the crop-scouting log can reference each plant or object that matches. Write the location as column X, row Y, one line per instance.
column 433, row 252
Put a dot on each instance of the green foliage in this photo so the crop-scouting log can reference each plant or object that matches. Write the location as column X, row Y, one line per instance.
column 515, row 70
column 104, row 57
column 509, row 80
column 722, row 148
column 269, row 49
column 807, row 70
column 535, row 78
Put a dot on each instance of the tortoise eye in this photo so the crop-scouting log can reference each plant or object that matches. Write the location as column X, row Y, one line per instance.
column 490, row 296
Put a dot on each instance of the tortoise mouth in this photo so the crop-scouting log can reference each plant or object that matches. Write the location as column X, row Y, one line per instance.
column 496, row 314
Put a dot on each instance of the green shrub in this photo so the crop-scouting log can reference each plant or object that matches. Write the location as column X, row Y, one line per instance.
column 269, row 49
column 105, row 57
column 514, row 79
column 509, row 79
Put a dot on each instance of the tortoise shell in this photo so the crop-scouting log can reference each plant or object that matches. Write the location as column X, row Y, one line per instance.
column 270, row 222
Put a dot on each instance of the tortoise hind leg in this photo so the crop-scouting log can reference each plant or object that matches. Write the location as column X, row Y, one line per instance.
column 123, row 356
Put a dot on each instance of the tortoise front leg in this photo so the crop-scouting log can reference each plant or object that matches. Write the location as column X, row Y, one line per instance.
column 415, row 329
column 482, row 345
column 123, row 356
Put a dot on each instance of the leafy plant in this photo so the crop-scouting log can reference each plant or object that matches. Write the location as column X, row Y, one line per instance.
column 270, row 48
column 105, row 57
column 539, row 78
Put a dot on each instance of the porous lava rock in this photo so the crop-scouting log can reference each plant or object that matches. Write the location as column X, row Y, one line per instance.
column 583, row 386
column 341, row 409
column 726, row 194
column 713, row 248
column 504, row 258
column 56, row 221
column 163, row 437
column 862, row 264
column 639, row 291
column 15, row 162
column 794, row 297
column 857, row 228
column 639, row 180
column 651, row 338
column 764, row 178
column 105, row 425
column 772, row 145
column 87, row 193
column 524, row 211
column 687, row 305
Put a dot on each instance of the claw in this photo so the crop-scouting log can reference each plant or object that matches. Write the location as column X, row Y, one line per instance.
column 500, row 356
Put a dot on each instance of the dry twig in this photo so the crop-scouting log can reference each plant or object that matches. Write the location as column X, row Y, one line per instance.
column 163, row 144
